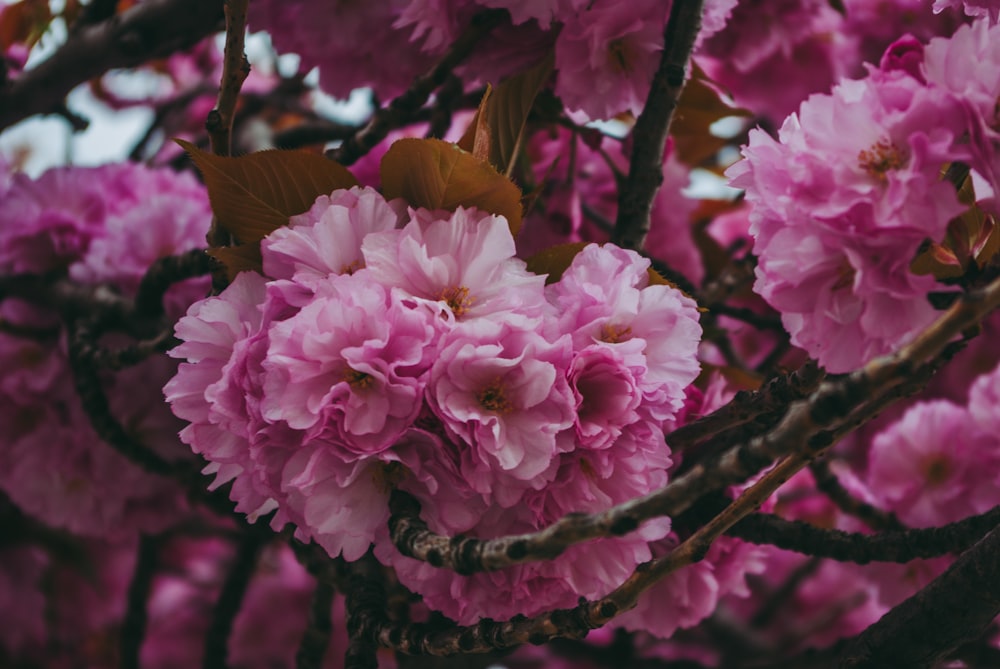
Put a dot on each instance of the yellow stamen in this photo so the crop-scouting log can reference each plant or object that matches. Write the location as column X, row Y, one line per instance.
column 493, row 398
column 881, row 158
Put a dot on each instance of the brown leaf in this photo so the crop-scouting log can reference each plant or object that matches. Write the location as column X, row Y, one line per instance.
column 700, row 106
column 239, row 258
column 555, row 260
column 434, row 174
column 24, row 23
column 497, row 130
column 253, row 195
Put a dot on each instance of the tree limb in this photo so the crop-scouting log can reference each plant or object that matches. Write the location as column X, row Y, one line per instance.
column 151, row 29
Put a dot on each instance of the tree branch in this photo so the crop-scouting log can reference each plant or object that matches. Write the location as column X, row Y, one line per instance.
column 231, row 597
column 235, row 69
column 954, row 609
column 400, row 109
column 151, row 29
column 317, row 635
column 635, row 200
column 133, row 629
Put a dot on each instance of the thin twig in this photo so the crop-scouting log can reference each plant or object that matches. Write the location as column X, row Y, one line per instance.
column 828, row 483
column 231, row 597
column 235, row 69
column 133, row 629
column 635, row 200
column 399, row 110
column 151, row 29
column 316, row 638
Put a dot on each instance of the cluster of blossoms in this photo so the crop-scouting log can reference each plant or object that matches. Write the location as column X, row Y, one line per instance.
column 606, row 52
column 852, row 188
column 386, row 347
column 98, row 226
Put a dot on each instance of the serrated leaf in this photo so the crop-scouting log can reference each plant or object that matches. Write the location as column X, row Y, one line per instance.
column 242, row 258
column 24, row 23
column 435, row 174
column 253, row 195
column 497, row 130
column 699, row 106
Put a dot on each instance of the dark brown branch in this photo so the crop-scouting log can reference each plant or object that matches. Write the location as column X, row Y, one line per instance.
column 231, row 597
column 828, row 483
column 894, row 546
column 82, row 347
column 747, row 405
column 926, row 628
column 151, row 29
column 164, row 273
column 133, row 629
column 366, row 607
column 399, row 110
column 649, row 137
column 317, row 635
column 235, row 69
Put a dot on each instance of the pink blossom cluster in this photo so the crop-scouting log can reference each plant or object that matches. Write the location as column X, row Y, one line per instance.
column 393, row 348
column 99, row 226
column 852, row 187
column 808, row 46
column 606, row 52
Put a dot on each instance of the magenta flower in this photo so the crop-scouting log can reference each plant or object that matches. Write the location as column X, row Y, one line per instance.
column 934, row 466
column 835, row 234
column 607, row 54
column 327, row 239
column 501, row 391
column 460, row 265
column 605, row 298
column 349, row 366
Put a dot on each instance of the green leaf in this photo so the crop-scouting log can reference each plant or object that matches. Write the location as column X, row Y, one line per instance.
column 434, row 174
column 253, row 195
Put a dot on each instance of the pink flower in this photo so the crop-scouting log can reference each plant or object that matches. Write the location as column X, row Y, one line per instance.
column 978, row 8
column 349, row 366
column 835, row 234
column 501, row 390
column 984, row 398
column 605, row 299
column 342, row 506
column 607, row 54
column 460, row 265
column 934, row 466
column 967, row 65
column 689, row 595
column 327, row 239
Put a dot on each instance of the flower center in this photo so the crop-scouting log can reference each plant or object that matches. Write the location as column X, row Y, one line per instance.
column 937, row 470
column 357, row 380
column 845, row 275
column 615, row 334
column 458, row 299
column 493, row 397
column 388, row 475
column 351, row 267
column 881, row 158
column 618, row 55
